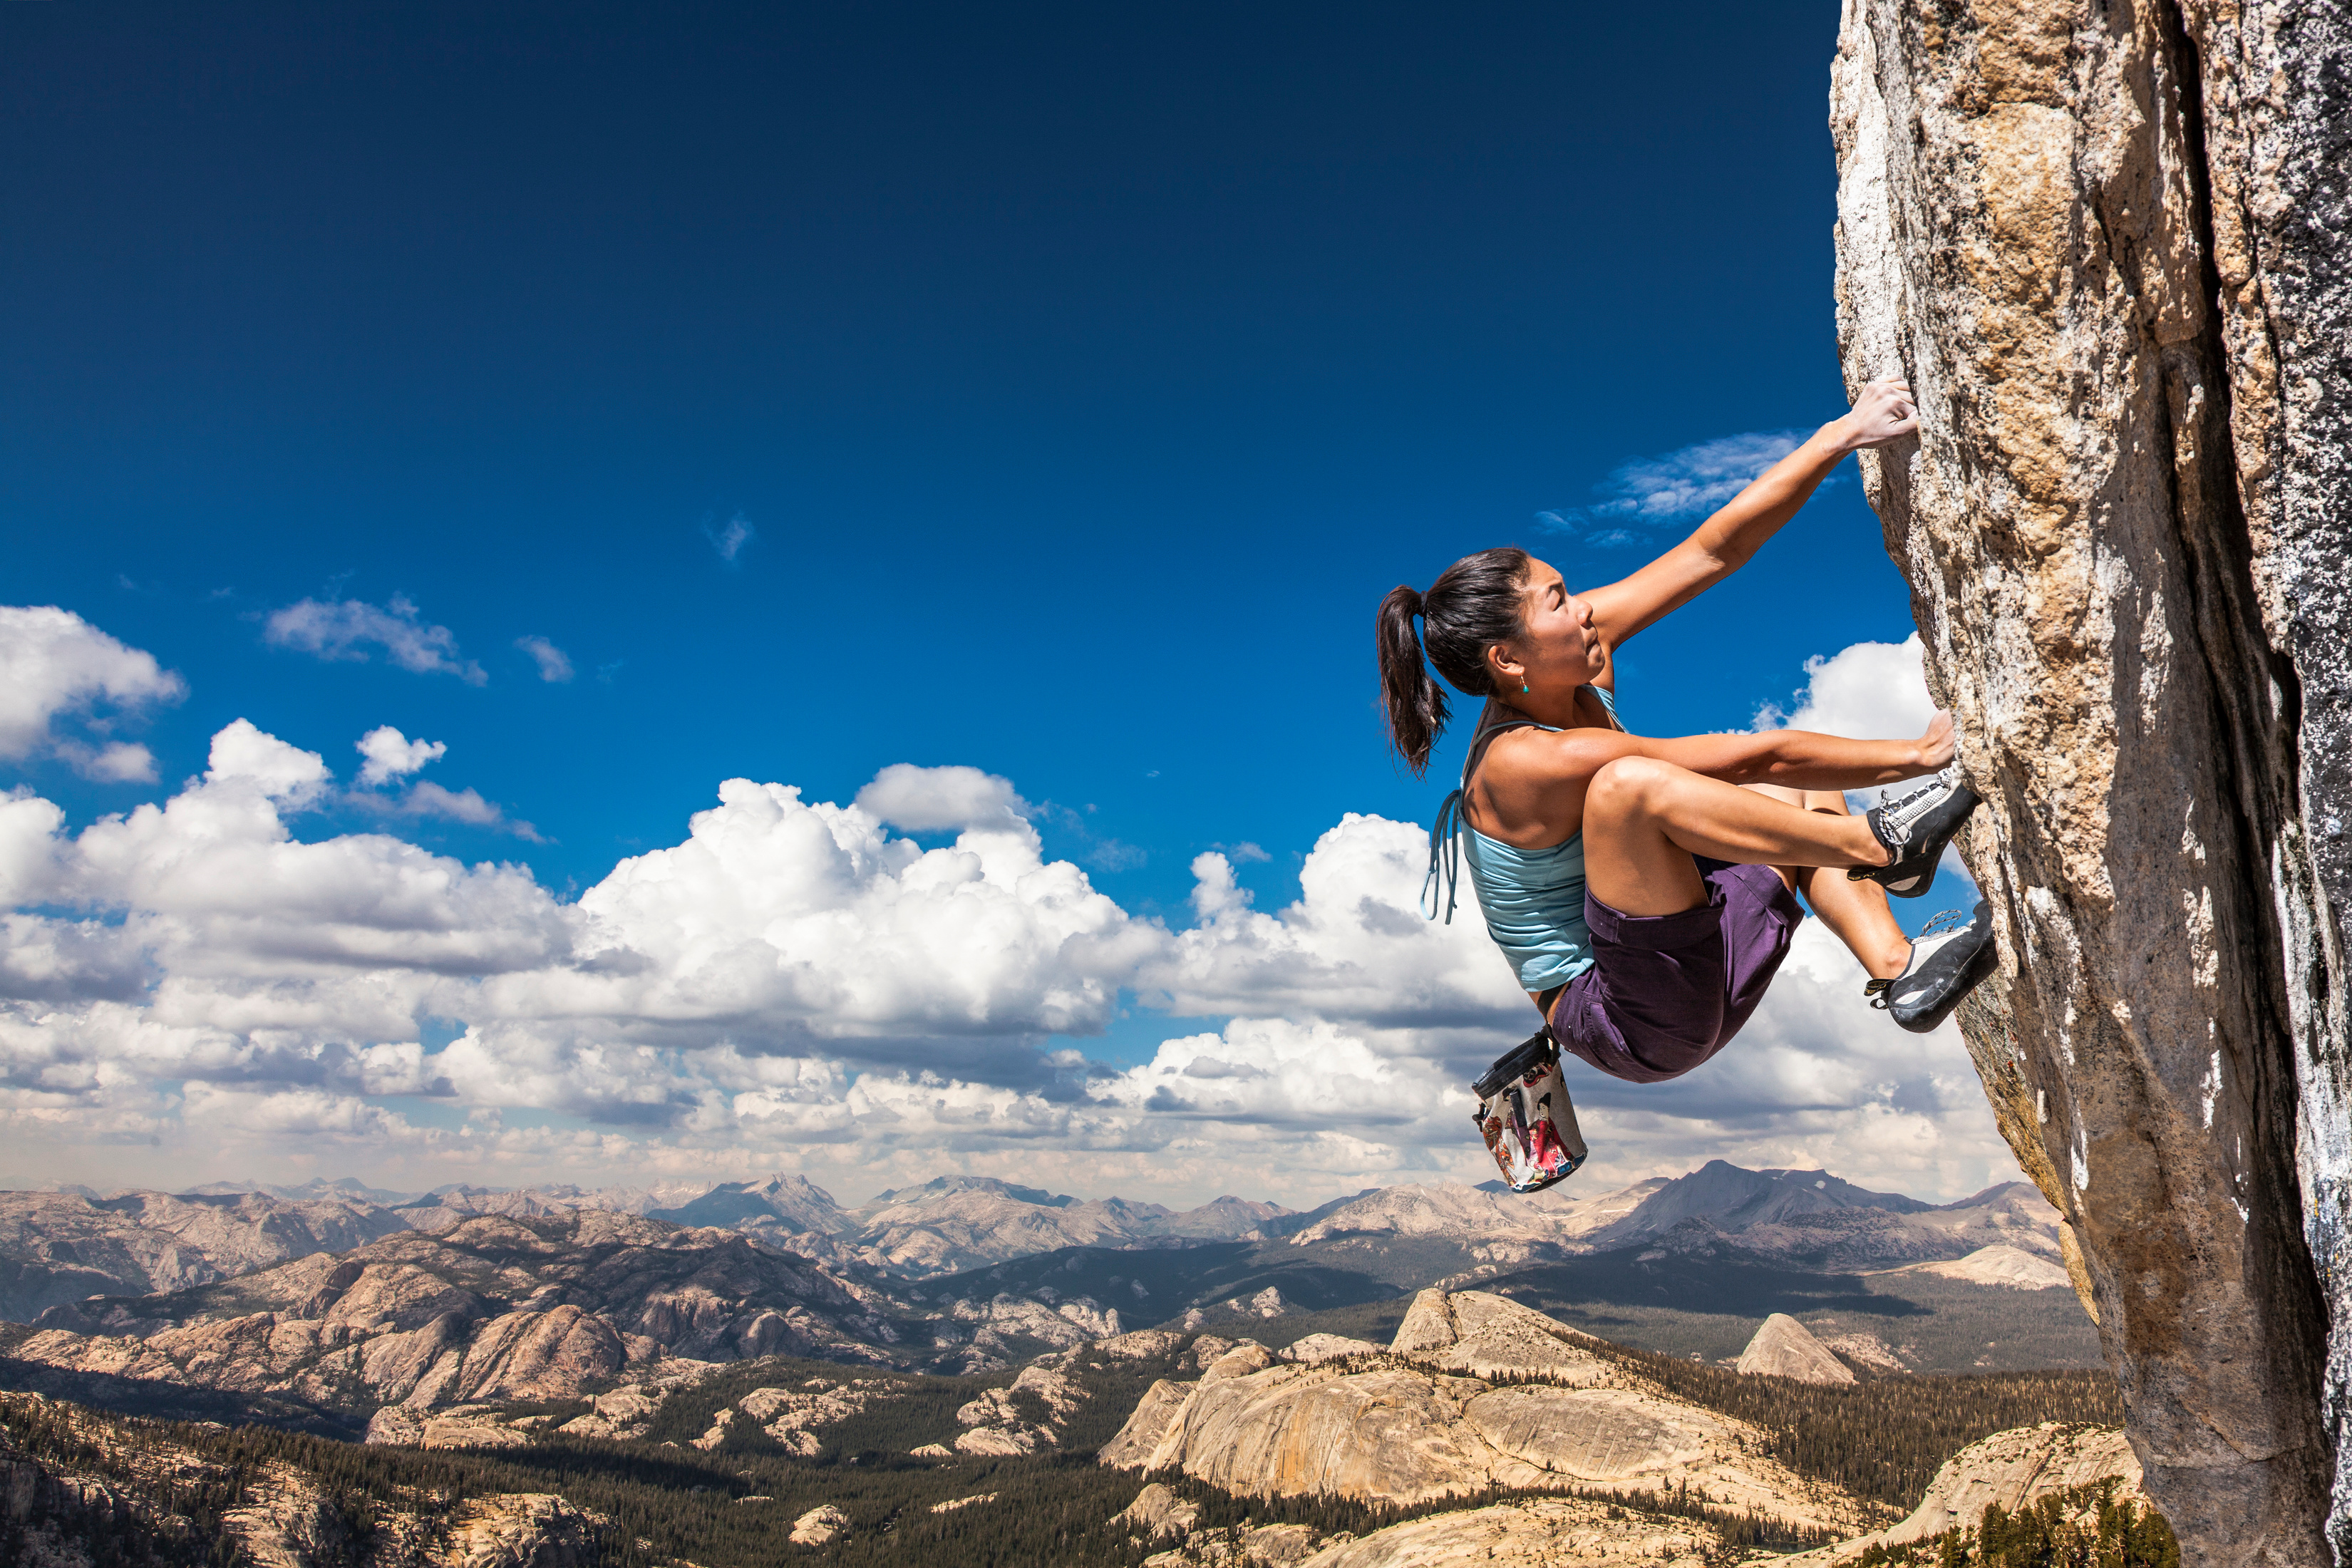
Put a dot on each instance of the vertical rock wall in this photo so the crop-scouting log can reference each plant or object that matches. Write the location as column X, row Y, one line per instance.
column 2109, row 242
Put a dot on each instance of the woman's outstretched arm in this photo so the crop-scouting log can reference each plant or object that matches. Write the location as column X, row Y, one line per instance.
column 1531, row 789
column 1724, row 542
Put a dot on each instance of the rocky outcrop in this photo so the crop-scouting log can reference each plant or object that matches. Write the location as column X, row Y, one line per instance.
column 1784, row 1347
column 59, row 1247
column 998, row 1325
column 1488, row 1335
column 819, row 1525
column 1547, row 1530
column 1314, row 1350
column 1023, row 1419
column 1140, row 1438
column 2012, row 1469
column 521, row 1530
column 1408, row 1428
column 1157, row 1511
column 2110, row 245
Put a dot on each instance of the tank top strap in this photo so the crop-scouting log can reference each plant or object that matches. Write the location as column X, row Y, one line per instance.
column 1608, row 701
column 1443, row 881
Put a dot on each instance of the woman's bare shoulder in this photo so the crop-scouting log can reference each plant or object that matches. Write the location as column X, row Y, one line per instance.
column 1550, row 756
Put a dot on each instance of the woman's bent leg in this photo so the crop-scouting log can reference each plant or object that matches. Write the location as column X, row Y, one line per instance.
column 1644, row 820
column 1855, row 912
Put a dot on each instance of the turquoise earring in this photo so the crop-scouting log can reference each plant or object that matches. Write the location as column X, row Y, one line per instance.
column 1523, row 687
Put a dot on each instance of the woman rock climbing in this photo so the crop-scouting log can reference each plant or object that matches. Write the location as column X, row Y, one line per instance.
column 1645, row 889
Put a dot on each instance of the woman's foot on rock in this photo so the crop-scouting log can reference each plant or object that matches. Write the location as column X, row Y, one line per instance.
column 1915, row 828
column 1948, row 958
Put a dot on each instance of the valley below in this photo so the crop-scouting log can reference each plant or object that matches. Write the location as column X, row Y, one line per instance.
column 1726, row 1364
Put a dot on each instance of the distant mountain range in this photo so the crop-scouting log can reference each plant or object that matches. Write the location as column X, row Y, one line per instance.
column 954, row 1223
column 1803, row 1216
column 60, row 1247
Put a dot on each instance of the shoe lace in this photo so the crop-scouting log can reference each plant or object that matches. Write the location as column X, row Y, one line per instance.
column 1939, row 922
column 1904, row 807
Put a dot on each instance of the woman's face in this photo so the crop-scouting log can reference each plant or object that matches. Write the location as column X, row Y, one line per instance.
column 1559, row 647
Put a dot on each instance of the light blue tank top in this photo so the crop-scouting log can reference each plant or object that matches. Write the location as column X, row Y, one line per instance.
column 1533, row 899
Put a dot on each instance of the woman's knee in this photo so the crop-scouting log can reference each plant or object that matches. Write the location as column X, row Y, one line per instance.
column 1629, row 786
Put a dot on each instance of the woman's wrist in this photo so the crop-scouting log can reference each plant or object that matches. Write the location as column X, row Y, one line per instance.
column 1842, row 436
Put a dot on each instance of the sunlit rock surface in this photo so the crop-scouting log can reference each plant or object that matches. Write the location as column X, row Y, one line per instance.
column 2110, row 245
column 1784, row 1347
column 2014, row 1469
column 1404, row 1427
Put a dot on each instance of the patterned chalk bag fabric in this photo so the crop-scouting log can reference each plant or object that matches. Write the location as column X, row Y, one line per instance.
column 1526, row 1117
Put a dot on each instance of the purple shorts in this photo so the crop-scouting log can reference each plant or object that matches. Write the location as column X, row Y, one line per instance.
column 1667, row 992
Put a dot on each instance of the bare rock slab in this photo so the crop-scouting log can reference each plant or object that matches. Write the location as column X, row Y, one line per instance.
column 1784, row 1347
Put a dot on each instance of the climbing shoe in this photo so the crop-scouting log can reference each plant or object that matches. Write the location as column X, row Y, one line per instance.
column 1948, row 957
column 1915, row 828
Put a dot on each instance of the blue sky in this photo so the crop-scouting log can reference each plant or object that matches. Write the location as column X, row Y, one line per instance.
column 1051, row 391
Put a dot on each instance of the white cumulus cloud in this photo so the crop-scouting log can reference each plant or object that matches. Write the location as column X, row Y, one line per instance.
column 801, row 984
column 389, row 755
column 1868, row 691
column 54, row 665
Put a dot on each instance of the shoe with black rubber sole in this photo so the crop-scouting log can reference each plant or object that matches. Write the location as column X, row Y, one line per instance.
column 1950, row 957
column 1915, row 828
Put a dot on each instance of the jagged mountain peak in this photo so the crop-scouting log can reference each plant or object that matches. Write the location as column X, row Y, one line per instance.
column 789, row 1204
column 946, row 1186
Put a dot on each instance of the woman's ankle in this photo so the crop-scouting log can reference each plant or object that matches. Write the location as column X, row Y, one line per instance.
column 1871, row 852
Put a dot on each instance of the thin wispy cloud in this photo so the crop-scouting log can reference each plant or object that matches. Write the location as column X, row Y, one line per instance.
column 1093, row 850
column 1681, row 487
column 357, row 631
column 425, row 798
column 555, row 664
column 729, row 541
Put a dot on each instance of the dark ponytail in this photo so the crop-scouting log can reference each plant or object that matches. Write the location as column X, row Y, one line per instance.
column 1474, row 605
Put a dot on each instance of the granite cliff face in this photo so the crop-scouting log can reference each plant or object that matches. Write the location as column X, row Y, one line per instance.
column 2110, row 245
